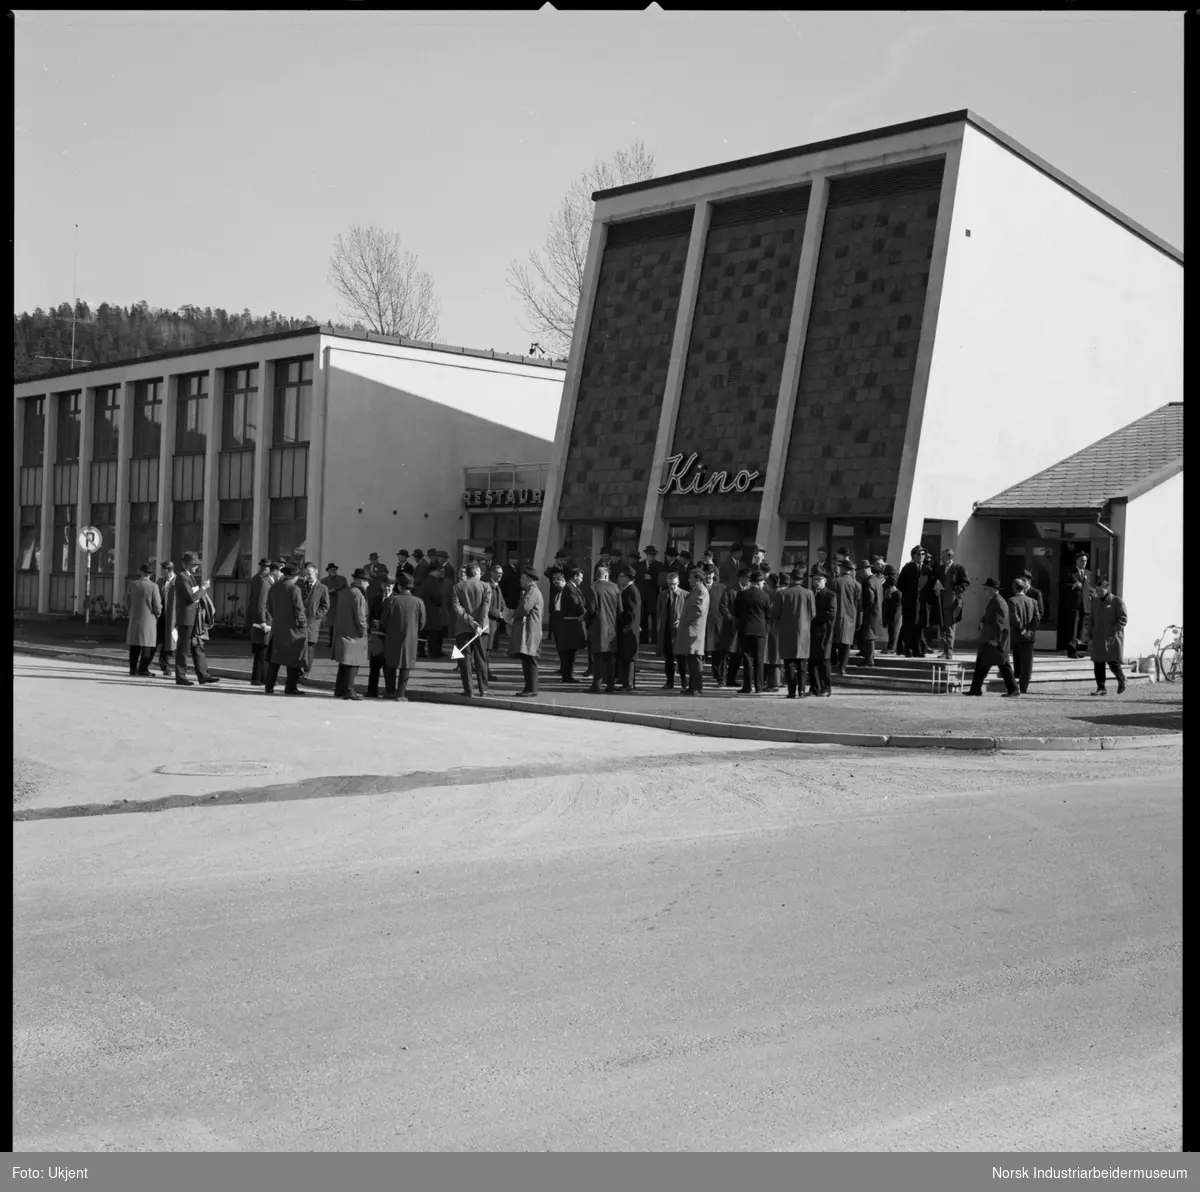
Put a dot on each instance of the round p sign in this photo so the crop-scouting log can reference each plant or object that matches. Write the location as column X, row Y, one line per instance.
column 90, row 539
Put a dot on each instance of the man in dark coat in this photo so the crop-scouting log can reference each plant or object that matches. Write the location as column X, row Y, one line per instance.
column 821, row 635
column 562, row 562
column 335, row 583
column 166, row 620
column 189, row 596
column 891, row 609
column 646, row 575
column 913, row 605
column 471, row 599
column 670, row 609
column 603, row 613
column 752, row 608
column 714, row 624
column 400, row 619
column 1034, row 594
column 289, row 632
column 429, row 589
column 316, row 606
column 870, row 585
column 145, row 610
column 629, row 626
column 1077, row 602
column 375, row 634
column 995, row 646
column 796, row 610
column 848, row 617
column 728, row 656
column 403, row 564
column 510, row 580
column 525, row 641
column 821, row 565
column 351, row 622
column 568, row 618
column 1023, row 619
column 1107, row 619
column 497, row 622
column 259, row 621
column 950, row 582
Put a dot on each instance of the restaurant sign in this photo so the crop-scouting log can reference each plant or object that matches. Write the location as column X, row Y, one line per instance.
column 502, row 498
column 699, row 485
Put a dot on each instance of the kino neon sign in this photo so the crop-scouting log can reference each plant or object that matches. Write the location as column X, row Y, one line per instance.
column 699, row 484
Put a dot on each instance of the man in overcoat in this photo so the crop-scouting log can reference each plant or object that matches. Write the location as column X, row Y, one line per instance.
column 1023, row 619
column 870, row 628
column 497, row 625
column 821, row 564
column 351, row 623
column 525, row 640
column 335, row 583
column 403, row 565
column 891, row 609
column 145, row 609
column 1034, row 594
column 1078, row 594
column 375, row 634
column 773, row 662
column 289, row 632
column 715, row 623
column 848, row 617
column 796, row 610
column 568, row 619
column 258, row 621
column 470, row 599
column 401, row 620
column 429, row 590
column 190, row 594
column 316, row 606
column 629, row 626
column 950, row 583
column 820, row 646
column 691, row 635
column 670, row 609
column 166, row 620
column 995, row 646
column 752, row 608
column 646, row 576
column 913, row 605
column 603, row 613
column 1108, row 619
column 727, row 659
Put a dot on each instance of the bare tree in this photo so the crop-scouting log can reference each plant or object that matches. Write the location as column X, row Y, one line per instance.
column 550, row 284
column 382, row 287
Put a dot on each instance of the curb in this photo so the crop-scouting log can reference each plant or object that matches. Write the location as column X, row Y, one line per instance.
column 715, row 728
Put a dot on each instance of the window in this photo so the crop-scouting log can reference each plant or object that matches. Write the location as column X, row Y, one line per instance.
column 681, row 537
column 187, row 530
column 234, row 531
column 239, row 420
column 106, row 423
column 103, row 516
column 287, row 529
column 293, row 402
column 33, row 442
column 64, row 540
column 191, row 418
column 795, row 544
column 69, row 414
column 147, row 420
column 30, row 556
column 143, row 535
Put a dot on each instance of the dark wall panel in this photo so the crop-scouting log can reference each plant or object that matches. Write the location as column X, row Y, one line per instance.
column 739, row 337
column 856, row 377
column 624, row 370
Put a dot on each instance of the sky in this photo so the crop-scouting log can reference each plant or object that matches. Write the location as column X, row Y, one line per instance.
column 211, row 158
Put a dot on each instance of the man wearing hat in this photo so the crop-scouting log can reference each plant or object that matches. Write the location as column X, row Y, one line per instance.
column 193, row 618
column 289, row 632
column 377, row 576
column 913, row 577
column 259, row 621
column 525, row 640
column 350, row 625
column 562, row 562
column 402, row 563
column 646, row 574
column 870, row 584
column 1023, row 620
column 145, row 609
column 166, row 621
column 752, row 608
column 891, row 609
column 691, row 634
column 796, row 610
column 471, row 599
column 335, row 583
column 629, row 624
column 848, row 617
column 603, row 615
column 420, row 567
column 820, row 647
column 401, row 620
column 1034, row 594
column 946, row 594
column 727, row 653
column 758, row 559
column 1108, row 619
column 1078, row 593
column 316, row 605
column 995, row 646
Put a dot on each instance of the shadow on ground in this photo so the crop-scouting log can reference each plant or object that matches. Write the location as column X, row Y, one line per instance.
column 1164, row 720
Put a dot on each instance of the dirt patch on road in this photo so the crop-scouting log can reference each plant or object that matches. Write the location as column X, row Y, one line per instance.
column 30, row 777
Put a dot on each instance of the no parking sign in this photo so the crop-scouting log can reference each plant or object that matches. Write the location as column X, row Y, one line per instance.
column 90, row 539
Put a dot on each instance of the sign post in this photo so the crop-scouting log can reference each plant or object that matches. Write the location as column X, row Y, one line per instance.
column 90, row 541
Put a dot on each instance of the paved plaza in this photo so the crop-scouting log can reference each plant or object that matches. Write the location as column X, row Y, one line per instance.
column 434, row 927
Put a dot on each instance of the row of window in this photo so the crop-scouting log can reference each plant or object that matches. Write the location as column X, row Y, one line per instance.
column 239, row 422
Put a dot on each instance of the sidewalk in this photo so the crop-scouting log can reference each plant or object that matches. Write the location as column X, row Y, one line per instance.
column 1154, row 715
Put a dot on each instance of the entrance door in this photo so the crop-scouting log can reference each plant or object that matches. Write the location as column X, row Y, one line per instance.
column 726, row 537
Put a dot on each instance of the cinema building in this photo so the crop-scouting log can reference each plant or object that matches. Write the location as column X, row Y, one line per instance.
column 309, row 444
column 853, row 343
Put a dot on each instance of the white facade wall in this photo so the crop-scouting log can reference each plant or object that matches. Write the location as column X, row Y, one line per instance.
column 1153, row 567
column 1056, row 326
column 401, row 429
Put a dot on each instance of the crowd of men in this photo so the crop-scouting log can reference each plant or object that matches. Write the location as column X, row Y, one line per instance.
column 797, row 624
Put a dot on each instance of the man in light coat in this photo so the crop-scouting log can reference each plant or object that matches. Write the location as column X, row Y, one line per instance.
column 1108, row 619
column 995, row 645
column 848, row 618
column 752, row 608
column 145, row 609
column 289, row 632
column 603, row 616
column 670, row 609
column 796, row 610
column 401, row 620
column 525, row 640
column 258, row 621
column 471, row 599
column 693, row 624
column 1023, row 619
column 351, row 623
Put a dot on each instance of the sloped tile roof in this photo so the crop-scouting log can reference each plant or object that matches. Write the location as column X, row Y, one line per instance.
column 1123, row 464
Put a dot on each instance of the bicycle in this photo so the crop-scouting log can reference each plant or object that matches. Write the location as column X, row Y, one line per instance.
column 1169, row 653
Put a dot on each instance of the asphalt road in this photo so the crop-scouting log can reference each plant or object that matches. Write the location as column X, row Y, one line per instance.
column 768, row 949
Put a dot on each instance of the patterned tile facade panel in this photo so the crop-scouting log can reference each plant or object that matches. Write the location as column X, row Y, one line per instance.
column 735, row 358
column 856, row 376
column 621, row 382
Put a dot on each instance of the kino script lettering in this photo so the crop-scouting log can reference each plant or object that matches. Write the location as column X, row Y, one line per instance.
column 700, row 485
